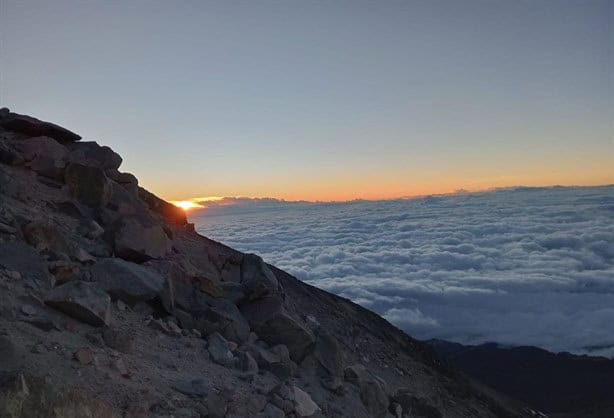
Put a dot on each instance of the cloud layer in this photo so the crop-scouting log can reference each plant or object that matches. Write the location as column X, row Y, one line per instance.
column 521, row 266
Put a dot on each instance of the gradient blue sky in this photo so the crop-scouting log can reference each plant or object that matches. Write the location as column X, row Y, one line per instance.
column 323, row 100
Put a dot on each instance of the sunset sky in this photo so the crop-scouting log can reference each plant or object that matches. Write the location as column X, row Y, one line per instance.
column 323, row 100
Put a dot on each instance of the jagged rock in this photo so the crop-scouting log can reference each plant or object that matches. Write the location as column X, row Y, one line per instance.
column 45, row 236
column 194, row 387
column 46, row 156
column 127, row 281
column 93, row 155
column 219, row 351
column 283, row 329
column 118, row 340
column 18, row 256
column 169, row 212
column 27, row 397
column 30, row 126
column 83, row 301
column 396, row 410
column 304, row 405
column 88, row 184
column 256, row 277
column 276, row 360
column 372, row 389
column 137, row 242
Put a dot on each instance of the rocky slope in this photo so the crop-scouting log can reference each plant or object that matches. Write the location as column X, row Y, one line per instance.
column 111, row 305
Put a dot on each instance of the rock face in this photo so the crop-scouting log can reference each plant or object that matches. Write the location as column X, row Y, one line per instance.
column 83, row 301
column 112, row 305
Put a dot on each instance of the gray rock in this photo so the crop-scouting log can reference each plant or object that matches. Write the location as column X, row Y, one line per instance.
column 256, row 277
column 195, row 387
column 30, row 126
column 283, row 329
column 219, row 351
column 304, row 405
column 93, row 155
column 127, row 281
column 83, row 301
column 137, row 242
column 88, row 184
column 46, row 156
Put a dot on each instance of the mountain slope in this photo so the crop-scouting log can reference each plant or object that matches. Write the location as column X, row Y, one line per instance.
column 111, row 305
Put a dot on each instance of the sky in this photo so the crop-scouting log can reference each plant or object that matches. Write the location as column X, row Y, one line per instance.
column 331, row 100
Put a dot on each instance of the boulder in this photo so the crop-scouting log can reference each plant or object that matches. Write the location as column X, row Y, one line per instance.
column 247, row 364
column 135, row 241
column 83, row 301
column 45, row 155
column 30, row 126
column 9, row 155
column 127, row 281
column 283, row 329
column 171, row 213
column 256, row 277
column 372, row 389
column 304, row 405
column 88, row 184
column 93, row 155
column 218, row 348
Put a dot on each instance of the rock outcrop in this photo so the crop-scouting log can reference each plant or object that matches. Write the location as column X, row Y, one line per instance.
column 111, row 305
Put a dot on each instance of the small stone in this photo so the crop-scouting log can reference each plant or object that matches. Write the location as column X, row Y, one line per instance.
column 84, row 356
column 121, row 305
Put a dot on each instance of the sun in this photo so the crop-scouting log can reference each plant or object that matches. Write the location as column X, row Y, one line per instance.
column 186, row 204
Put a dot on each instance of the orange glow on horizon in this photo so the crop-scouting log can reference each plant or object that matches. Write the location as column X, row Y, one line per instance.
column 186, row 205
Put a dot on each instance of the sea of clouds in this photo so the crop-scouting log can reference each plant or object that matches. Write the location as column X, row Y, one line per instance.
column 530, row 266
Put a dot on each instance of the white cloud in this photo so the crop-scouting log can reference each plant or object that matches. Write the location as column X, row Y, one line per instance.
column 519, row 266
